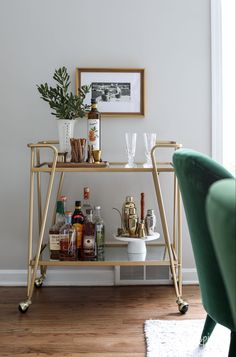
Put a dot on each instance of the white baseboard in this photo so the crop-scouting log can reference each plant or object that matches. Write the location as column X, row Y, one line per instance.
column 62, row 277
column 104, row 276
column 190, row 276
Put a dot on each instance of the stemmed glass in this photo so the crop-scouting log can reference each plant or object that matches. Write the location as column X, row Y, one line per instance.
column 130, row 141
column 149, row 142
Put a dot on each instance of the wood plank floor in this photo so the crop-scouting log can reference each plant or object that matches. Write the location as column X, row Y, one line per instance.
column 87, row 321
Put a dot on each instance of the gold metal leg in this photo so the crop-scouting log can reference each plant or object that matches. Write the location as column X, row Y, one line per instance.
column 39, row 191
column 165, row 228
column 174, row 213
column 182, row 305
column 30, row 233
column 23, row 306
column 49, row 191
column 179, row 243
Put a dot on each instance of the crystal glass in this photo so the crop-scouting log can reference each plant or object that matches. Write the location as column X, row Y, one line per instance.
column 149, row 142
column 130, row 141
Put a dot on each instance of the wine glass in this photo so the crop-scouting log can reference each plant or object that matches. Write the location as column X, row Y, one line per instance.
column 130, row 141
column 149, row 142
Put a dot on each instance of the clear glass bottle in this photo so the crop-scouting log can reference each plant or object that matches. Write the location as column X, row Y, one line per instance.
column 86, row 201
column 54, row 236
column 99, row 233
column 89, row 251
column 78, row 223
column 67, row 232
column 94, row 126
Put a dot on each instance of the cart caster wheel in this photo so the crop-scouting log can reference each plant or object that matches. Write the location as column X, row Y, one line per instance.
column 38, row 282
column 23, row 306
column 183, row 306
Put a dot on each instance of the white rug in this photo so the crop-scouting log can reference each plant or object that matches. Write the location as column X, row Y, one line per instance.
column 181, row 339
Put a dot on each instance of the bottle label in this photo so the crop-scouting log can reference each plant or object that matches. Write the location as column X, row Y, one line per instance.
column 99, row 235
column 89, row 245
column 67, row 242
column 86, row 195
column 93, row 133
column 54, row 241
column 79, row 234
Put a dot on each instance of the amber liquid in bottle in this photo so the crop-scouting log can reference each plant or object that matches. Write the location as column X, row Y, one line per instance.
column 89, row 251
column 68, row 249
column 78, row 223
column 54, row 236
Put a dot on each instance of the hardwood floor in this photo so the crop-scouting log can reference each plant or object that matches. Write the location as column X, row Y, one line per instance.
column 87, row 321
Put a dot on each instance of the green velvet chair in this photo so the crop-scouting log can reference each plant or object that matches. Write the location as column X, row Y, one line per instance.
column 221, row 218
column 196, row 173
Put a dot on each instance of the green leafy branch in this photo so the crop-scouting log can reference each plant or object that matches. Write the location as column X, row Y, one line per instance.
column 65, row 105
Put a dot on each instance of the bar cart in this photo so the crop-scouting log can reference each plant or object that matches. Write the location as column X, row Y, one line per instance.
column 168, row 253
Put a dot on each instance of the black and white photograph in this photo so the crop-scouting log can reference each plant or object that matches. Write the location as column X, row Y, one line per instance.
column 117, row 91
column 111, row 91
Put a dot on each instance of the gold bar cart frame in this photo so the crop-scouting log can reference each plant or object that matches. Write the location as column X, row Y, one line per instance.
column 173, row 248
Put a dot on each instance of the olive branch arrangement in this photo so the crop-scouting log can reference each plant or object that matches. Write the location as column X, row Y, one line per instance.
column 65, row 104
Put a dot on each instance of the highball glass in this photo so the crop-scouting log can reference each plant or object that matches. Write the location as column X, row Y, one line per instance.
column 130, row 141
column 149, row 142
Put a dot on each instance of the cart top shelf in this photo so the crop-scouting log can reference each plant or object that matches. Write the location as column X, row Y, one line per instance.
column 112, row 167
column 38, row 166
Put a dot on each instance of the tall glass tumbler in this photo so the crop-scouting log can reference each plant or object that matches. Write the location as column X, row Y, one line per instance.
column 130, row 141
column 149, row 142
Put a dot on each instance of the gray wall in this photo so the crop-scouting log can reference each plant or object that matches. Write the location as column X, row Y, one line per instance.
column 169, row 38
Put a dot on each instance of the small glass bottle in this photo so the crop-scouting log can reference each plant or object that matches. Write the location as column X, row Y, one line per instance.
column 78, row 223
column 54, row 236
column 89, row 251
column 64, row 200
column 99, row 232
column 67, row 232
column 94, row 126
column 86, row 202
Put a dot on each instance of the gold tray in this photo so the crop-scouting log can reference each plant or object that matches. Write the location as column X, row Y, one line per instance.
column 80, row 164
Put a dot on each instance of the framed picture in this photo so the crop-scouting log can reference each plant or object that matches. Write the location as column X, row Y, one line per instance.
column 118, row 91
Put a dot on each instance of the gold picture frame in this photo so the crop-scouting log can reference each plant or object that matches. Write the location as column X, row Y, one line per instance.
column 118, row 91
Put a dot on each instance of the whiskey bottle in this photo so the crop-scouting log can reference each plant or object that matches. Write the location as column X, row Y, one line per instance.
column 94, row 126
column 99, row 233
column 86, row 202
column 78, row 223
column 89, row 251
column 54, row 236
column 67, row 232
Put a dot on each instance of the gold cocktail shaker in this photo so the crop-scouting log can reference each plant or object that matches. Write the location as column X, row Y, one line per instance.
column 128, row 204
column 132, row 222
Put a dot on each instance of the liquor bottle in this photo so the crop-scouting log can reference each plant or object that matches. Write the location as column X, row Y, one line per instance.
column 99, row 233
column 78, row 223
column 94, row 126
column 89, row 251
column 54, row 237
column 67, row 232
column 86, row 202
column 64, row 200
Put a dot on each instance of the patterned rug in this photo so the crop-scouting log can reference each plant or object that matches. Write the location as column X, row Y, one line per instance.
column 181, row 339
